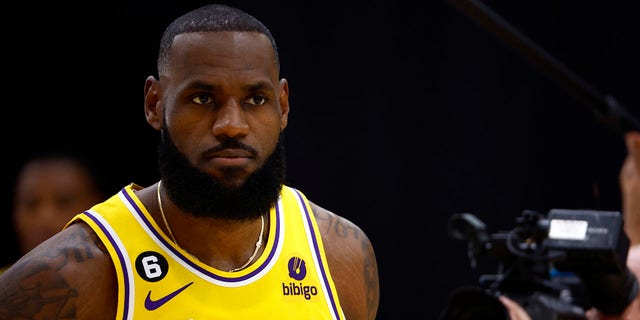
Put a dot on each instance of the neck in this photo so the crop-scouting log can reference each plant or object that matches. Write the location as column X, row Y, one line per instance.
column 221, row 243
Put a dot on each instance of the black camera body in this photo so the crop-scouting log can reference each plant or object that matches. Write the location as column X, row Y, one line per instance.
column 556, row 266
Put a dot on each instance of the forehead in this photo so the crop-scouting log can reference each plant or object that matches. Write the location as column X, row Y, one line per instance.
column 231, row 50
column 52, row 174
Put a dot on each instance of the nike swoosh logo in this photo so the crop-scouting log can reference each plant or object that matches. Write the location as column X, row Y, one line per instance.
column 151, row 304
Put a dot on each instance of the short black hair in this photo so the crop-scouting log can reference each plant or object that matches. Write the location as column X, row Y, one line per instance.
column 78, row 158
column 211, row 17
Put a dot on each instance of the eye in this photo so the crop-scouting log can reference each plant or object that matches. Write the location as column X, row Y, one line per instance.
column 202, row 99
column 257, row 100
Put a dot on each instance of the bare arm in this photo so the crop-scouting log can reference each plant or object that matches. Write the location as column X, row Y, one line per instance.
column 353, row 264
column 630, row 188
column 69, row 276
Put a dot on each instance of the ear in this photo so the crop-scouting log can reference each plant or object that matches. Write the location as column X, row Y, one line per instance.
column 153, row 110
column 284, row 103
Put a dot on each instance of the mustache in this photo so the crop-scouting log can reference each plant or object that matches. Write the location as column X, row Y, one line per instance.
column 232, row 144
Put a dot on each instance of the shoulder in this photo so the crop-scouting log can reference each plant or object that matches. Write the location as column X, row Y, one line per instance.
column 352, row 261
column 62, row 276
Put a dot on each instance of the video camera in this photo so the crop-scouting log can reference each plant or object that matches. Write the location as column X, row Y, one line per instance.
column 555, row 266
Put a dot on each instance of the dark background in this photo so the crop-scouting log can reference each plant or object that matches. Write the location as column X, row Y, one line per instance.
column 402, row 114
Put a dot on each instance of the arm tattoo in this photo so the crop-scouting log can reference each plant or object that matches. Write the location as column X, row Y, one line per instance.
column 342, row 228
column 371, row 281
column 339, row 227
column 34, row 287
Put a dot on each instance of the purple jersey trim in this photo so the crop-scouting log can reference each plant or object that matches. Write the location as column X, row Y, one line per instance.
column 127, row 288
column 316, row 249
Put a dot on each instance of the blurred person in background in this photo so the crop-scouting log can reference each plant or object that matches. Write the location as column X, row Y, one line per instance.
column 51, row 187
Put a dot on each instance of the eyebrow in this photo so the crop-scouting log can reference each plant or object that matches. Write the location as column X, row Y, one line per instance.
column 260, row 85
column 202, row 86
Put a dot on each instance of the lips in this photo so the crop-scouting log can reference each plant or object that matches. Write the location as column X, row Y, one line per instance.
column 231, row 158
column 231, row 153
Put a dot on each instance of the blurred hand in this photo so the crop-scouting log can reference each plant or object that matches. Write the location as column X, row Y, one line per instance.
column 516, row 311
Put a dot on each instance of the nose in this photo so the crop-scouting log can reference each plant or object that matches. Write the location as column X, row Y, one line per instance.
column 51, row 218
column 230, row 120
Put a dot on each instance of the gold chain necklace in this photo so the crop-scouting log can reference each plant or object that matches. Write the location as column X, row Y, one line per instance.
column 166, row 224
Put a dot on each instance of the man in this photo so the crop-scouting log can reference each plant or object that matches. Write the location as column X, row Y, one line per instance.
column 51, row 187
column 219, row 236
column 630, row 187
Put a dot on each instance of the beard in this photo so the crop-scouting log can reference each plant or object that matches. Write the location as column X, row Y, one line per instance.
column 200, row 194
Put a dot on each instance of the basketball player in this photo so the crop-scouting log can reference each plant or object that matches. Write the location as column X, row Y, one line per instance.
column 219, row 236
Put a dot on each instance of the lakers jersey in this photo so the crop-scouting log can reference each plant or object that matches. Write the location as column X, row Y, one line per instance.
column 159, row 280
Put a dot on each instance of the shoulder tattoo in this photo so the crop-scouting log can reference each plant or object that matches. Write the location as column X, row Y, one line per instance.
column 35, row 286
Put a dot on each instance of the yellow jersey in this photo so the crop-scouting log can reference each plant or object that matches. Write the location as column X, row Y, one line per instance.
column 159, row 280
